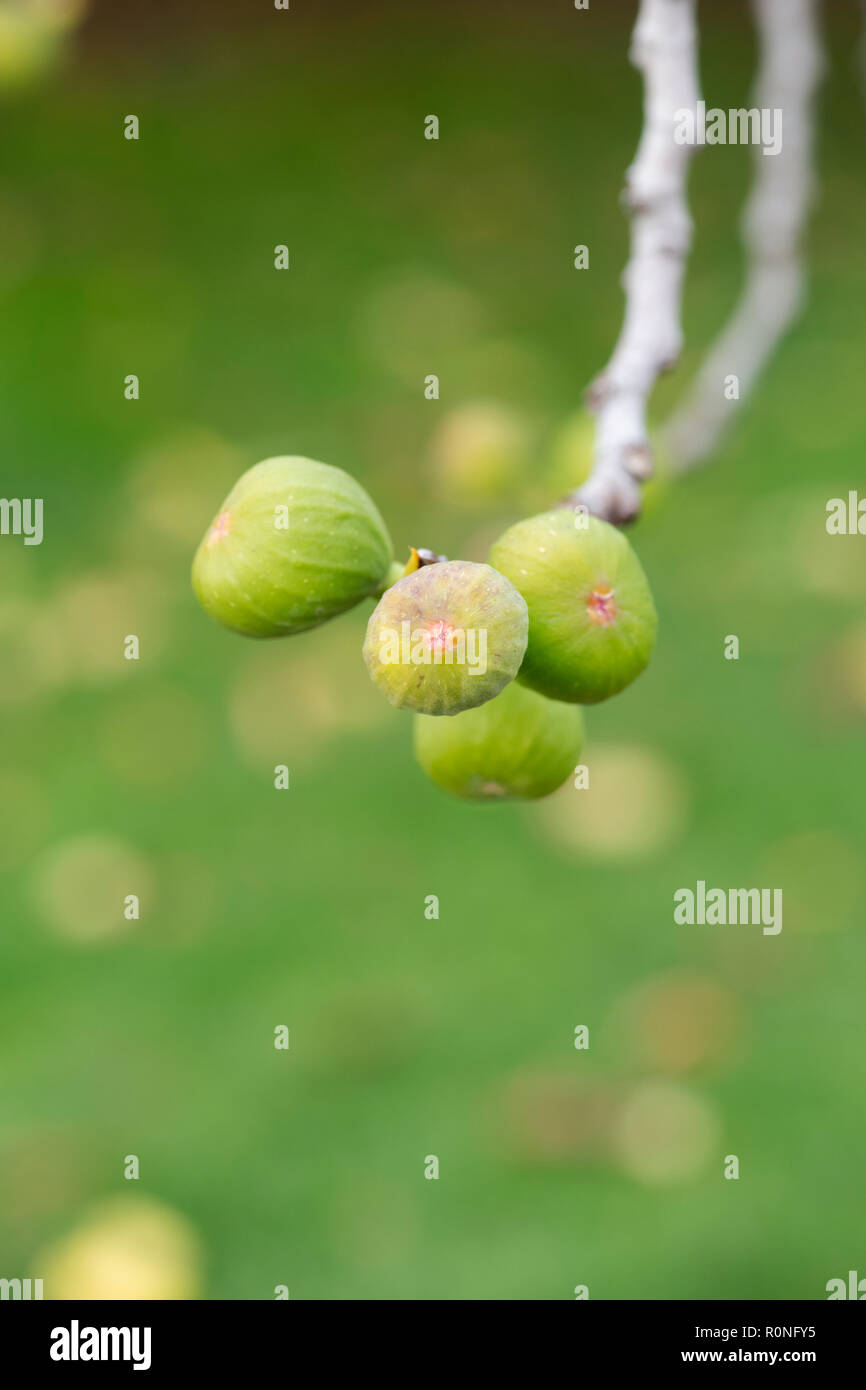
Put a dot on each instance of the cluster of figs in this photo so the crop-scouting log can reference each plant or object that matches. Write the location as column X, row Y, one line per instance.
column 494, row 660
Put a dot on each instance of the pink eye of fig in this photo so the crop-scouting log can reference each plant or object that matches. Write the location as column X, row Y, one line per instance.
column 601, row 607
column 442, row 635
column 219, row 529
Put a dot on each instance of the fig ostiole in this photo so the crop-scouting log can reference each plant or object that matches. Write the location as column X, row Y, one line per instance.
column 295, row 543
column 446, row 637
column 518, row 745
column 592, row 621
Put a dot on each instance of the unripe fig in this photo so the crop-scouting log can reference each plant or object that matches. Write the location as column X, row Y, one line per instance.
column 446, row 638
column 294, row 543
column 592, row 622
column 518, row 745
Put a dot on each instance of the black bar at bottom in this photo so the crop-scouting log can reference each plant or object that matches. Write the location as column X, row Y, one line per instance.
column 155, row 1339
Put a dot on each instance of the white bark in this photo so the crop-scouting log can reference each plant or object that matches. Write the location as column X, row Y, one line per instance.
column 790, row 66
column 664, row 48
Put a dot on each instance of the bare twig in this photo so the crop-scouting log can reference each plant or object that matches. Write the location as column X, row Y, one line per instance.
column 790, row 66
column 664, row 48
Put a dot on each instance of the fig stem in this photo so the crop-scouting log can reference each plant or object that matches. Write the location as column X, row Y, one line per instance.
column 395, row 571
column 418, row 557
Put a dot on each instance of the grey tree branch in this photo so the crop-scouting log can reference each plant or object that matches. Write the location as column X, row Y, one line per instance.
column 790, row 66
column 664, row 48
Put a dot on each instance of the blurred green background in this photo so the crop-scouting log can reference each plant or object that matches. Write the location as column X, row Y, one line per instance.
column 305, row 907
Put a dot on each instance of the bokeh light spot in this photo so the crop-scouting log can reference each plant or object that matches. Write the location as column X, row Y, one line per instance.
column 80, row 887
column 635, row 805
column 666, row 1133
column 126, row 1248
column 679, row 1021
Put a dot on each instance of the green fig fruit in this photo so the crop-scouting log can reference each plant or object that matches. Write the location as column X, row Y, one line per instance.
column 517, row 745
column 295, row 543
column 446, row 637
column 592, row 622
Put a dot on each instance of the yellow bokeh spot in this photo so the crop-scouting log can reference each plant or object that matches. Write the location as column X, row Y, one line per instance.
column 287, row 705
column 78, row 637
column 839, row 676
column 31, row 34
column 127, row 1248
column 666, row 1133
column 176, row 487
column 635, row 805
column 81, row 886
column 412, row 319
column 478, row 453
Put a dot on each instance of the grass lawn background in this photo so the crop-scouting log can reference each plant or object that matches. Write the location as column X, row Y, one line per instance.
column 412, row 1037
